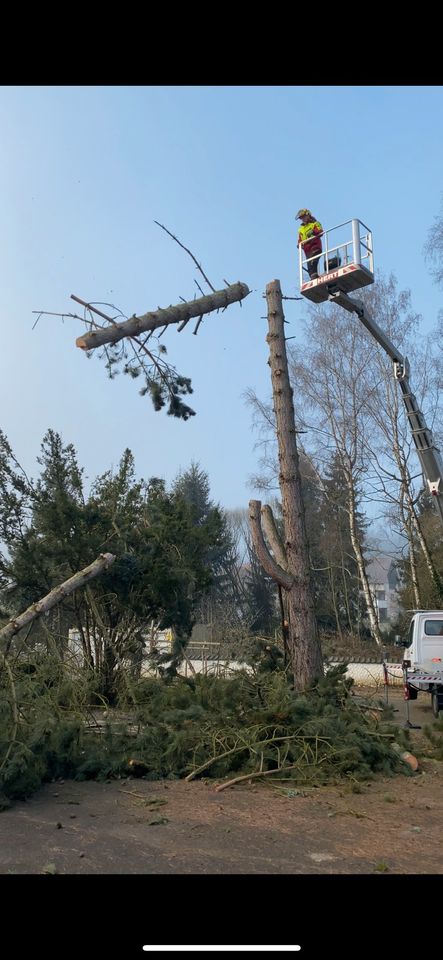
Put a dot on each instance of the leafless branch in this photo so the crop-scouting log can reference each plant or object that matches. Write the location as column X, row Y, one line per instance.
column 187, row 251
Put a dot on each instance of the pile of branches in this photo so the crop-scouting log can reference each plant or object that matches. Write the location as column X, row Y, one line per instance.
column 240, row 728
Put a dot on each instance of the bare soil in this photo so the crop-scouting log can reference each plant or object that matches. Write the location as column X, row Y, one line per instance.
column 394, row 825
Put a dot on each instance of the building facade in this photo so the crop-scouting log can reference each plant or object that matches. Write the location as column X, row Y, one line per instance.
column 384, row 582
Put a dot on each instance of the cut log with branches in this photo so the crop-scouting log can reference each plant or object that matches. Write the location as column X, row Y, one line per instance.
column 124, row 343
column 292, row 571
column 153, row 320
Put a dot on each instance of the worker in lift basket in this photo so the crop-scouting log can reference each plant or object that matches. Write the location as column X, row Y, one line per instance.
column 309, row 236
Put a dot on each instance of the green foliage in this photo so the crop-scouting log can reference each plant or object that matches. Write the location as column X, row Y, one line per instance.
column 435, row 736
column 381, row 867
column 265, row 656
column 217, row 727
column 16, row 494
column 162, row 383
column 51, row 752
column 193, row 487
column 165, row 556
column 260, row 597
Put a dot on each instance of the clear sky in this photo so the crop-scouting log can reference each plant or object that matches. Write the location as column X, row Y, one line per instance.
column 85, row 172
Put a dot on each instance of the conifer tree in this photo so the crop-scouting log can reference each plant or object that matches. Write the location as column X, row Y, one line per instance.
column 160, row 570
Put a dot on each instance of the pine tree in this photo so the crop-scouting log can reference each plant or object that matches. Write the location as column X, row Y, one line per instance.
column 160, row 573
column 342, row 610
column 194, row 487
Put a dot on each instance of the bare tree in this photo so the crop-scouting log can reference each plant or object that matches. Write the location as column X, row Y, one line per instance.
column 405, row 514
column 433, row 249
column 330, row 372
column 391, row 450
column 393, row 479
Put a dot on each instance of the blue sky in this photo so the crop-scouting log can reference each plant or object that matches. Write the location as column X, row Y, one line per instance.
column 86, row 171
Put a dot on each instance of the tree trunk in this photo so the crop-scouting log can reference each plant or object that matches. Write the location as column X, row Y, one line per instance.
column 281, row 576
column 405, row 514
column 303, row 640
column 332, row 589
column 356, row 546
column 414, row 577
column 160, row 318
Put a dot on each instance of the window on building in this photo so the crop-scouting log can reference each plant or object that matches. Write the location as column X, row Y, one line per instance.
column 380, row 594
column 383, row 615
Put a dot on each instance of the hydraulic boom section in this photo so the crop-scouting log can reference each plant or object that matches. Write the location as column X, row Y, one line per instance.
column 428, row 454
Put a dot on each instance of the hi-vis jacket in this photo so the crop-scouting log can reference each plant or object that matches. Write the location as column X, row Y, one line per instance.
column 309, row 235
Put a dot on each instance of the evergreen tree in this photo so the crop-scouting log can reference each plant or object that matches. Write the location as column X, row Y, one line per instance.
column 241, row 597
column 16, row 498
column 342, row 601
column 160, row 573
column 194, row 487
column 261, row 599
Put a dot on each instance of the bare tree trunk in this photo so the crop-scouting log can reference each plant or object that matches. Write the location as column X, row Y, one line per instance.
column 405, row 514
column 331, row 579
column 86, row 646
column 273, row 569
column 356, row 546
column 273, row 537
column 414, row 577
column 346, row 592
column 303, row 639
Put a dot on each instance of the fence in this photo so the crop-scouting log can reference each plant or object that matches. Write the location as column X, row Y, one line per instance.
column 203, row 658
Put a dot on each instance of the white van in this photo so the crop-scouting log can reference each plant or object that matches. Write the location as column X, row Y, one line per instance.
column 423, row 662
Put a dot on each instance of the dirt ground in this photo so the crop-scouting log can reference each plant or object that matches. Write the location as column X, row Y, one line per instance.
column 394, row 825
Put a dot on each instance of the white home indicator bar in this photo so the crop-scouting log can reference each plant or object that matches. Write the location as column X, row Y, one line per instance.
column 242, row 948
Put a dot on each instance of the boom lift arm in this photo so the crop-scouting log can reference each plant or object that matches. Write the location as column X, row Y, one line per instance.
column 428, row 454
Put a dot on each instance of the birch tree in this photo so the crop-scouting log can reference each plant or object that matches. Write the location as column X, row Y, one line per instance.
column 395, row 479
column 330, row 371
